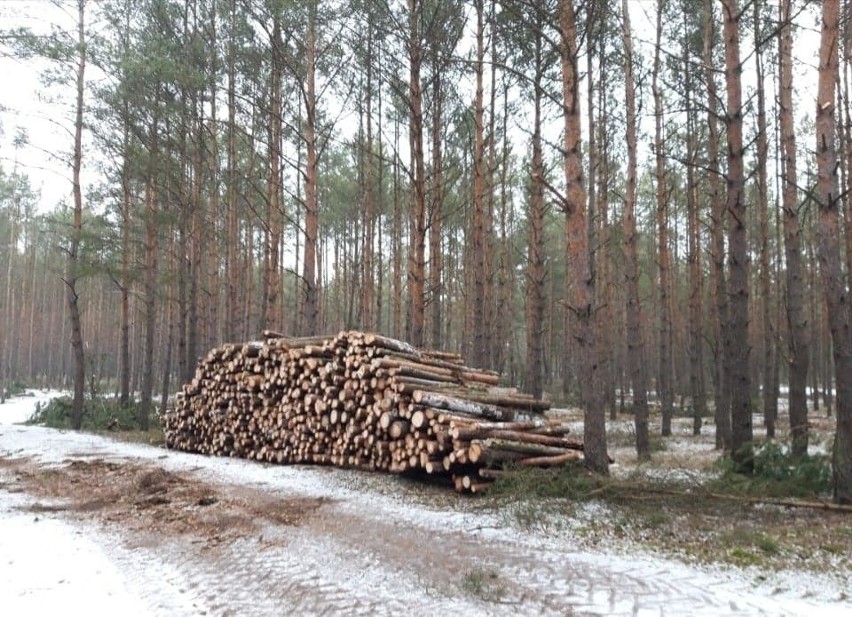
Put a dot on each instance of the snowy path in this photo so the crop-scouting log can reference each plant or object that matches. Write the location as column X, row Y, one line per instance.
column 365, row 550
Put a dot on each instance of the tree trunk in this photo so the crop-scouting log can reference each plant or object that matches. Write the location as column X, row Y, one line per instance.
column 696, row 282
column 151, row 248
column 72, row 262
column 274, row 213
column 796, row 315
column 232, row 268
column 310, row 319
column 210, row 223
column 635, row 346
column 770, row 403
column 481, row 345
column 664, row 383
column 170, row 337
column 535, row 249
column 124, row 326
column 583, row 330
column 718, row 280
column 598, row 214
column 396, row 240
column 738, row 284
column 829, row 247
column 493, row 332
column 436, row 264
column 367, row 279
column 417, row 194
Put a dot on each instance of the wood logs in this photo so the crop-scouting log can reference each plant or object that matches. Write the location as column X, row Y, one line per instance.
column 366, row 401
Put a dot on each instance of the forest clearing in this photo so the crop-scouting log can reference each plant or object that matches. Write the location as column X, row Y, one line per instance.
column 156, row 532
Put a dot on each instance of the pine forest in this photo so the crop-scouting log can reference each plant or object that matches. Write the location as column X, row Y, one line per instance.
column 629, row 207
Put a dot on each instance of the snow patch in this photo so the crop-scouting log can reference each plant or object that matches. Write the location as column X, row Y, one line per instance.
column 49, row 565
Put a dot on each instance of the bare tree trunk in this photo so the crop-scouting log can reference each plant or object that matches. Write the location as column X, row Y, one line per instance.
column 232, row 268
column 195, row 241
column 417, row 196
column 274, row 216
column 664, row 383
column 696, row 282
column 504, row 347
column 126, row 248
column 816, row 318
column 396, row 241
column 72, row 262
column 184, row 365
column 770, row 403
column 829, row 245
column 382, row 325
column 124, row 326
column 170, row 337
column 598, row 214
column 210, row 223
column 603, row 255
column 635, row 346
column 496, row 348
column 583, row 330
column 738, row 283
column 368, row 319
column 535, row 260
column 310, row 320
column 436, row 263
column 796, row 316
column 8, row 318
column 151, row 247
column 721, row 372
column 481, row 344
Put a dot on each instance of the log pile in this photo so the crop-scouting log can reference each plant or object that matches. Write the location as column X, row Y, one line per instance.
column 365, row 401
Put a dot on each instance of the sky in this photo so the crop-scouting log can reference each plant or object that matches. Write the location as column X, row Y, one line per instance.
column 24, row 109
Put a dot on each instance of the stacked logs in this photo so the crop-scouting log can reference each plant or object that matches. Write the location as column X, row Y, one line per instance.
column 365, row 401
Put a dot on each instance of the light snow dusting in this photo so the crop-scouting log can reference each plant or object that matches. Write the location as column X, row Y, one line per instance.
column 364, row 551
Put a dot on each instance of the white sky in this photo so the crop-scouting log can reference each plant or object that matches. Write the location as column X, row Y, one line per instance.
column 22, row 107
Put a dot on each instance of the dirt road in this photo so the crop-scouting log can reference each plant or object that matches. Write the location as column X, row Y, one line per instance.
column 190, row 535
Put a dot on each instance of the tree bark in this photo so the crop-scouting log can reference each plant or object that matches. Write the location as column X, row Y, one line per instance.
column 718, row 280
column 481, row 345
column 829, row 250
column 664, row 380
column 368, row 194
column 310, row 318
column 796, row 314
column 770, row 402
column 581, row 306
column 73, row 258
column 274, row 216
column 436, row 257
column 232, row 269
column 695, row 278
column 151, row 247
column 739, row 350
column 535, row 249
column 417, row 187
column 126, row 248
column 635, row 346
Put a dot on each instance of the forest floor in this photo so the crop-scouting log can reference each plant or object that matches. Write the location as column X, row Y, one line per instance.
column 98, row 526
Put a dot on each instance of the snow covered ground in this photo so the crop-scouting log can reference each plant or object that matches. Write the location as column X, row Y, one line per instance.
column 364, row 550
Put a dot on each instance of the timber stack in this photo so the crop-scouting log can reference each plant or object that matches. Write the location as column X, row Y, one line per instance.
column 364, row 401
